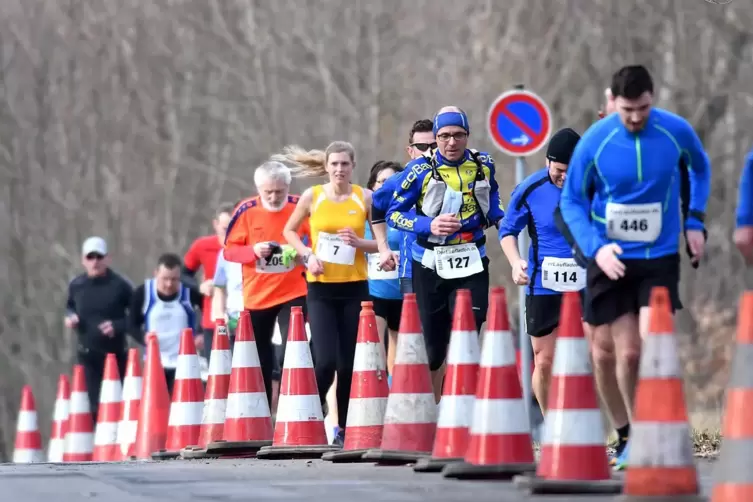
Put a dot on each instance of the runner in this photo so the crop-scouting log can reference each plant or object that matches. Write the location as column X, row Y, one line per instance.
column 165, row 306
column 337, row 270
column 384, row 285
column 621, row 204
column 203, row 253
column 744, row 220
column 550, row 269
column 273, row 279
column 448, row 201
column 227, row 298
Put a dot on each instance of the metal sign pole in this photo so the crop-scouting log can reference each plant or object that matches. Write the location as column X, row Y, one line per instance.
column 524, row 342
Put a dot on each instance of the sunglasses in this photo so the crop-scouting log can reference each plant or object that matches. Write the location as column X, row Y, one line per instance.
column 424, row 146
column 94, row 257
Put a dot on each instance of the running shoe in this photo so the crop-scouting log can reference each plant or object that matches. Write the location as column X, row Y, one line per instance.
column 621, row 459
column 339, row 439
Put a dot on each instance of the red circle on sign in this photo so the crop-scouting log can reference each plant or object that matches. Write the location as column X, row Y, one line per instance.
column 499, row 107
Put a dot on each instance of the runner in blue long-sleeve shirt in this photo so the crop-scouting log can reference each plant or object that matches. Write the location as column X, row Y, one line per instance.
column 621, row 204
column 744, row 216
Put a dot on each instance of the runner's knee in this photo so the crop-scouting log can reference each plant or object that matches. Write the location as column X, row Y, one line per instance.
column 602, row 347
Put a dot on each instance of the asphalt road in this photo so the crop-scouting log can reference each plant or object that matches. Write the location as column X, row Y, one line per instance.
column 257, row 480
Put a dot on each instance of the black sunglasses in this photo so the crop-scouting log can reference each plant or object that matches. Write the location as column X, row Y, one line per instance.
column 424, row 146
column 94, row 256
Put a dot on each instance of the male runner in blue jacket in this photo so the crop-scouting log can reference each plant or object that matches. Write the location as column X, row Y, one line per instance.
column 621, row 203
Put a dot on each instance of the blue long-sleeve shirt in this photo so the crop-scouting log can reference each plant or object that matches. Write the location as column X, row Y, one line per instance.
column 745, row 195
column 459, row 176
column 532, row 206
column 380, row 203
column 629, row 185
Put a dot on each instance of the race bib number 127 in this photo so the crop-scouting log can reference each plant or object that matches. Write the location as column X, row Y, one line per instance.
column 454, row 262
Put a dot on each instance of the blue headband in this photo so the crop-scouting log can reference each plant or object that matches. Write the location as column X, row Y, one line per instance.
column 445, row 119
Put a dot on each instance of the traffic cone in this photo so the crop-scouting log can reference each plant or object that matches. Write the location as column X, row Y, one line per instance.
column 79, row 440
column 56, row 446
column 129, row 417
column 660, row 457
column 299, row 431
column 573, row 451
column 28, row 448
column 248, row 422
column 215, row 398
column 458, row 389
column 500, row 444
column 110, row 408
column 733, row 479
column 184, row 421
column 151, row 433
column 368, row 392
column 410, row 420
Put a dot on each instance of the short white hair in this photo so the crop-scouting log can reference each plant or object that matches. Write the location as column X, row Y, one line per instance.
column 272, row 170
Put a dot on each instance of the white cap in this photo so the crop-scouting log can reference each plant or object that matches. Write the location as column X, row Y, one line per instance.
column 94, row 245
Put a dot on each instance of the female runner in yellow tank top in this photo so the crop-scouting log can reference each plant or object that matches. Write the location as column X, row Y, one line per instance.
column 337, row 271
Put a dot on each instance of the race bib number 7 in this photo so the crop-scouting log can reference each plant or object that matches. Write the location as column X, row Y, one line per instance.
column 331, row 248
column 562, row 274
column 634, row 222
column 455, row 262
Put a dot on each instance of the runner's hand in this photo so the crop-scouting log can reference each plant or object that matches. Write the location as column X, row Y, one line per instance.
column 744, row 243
column 262, row 249
column 198, row 341
column 314, row 265
column 696, row 242
column 388, row 260
column 519, row 275
column 348, row 236
column 71, row 321
column 606, row 259
column 206, row 287
column 445, row 224
column 107, row 329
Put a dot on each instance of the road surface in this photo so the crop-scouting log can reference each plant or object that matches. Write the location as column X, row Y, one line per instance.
column 253, row 480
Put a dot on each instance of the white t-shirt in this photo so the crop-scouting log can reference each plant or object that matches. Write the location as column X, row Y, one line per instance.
column 229, row 275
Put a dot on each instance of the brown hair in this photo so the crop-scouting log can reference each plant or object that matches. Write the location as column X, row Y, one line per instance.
column 312, row 163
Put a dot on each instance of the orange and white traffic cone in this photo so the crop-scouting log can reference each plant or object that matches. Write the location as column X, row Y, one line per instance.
column 500, row 444
column 106, row 447
column 368, row 392
column 28, row 448
column 660, row 461
column 56, row 446
column 458, row 390
column 410, row 420
column 248, row 422
column 299, row 431
column 573, row 450
column 733, row 478
column 215, row 398
column 129, row 417
column 154, row 410
column 184, row 421
column 79, row 441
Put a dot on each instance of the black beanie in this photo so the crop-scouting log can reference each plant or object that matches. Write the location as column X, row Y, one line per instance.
column 562, row 145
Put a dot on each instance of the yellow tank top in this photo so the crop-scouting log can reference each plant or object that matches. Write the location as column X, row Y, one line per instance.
column 341, row 263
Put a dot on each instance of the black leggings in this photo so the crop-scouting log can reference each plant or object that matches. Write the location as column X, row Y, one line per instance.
column 334, row 312
column 94, row 369
column 263, row 323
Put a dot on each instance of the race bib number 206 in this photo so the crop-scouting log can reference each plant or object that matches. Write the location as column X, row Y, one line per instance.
column 454, row 262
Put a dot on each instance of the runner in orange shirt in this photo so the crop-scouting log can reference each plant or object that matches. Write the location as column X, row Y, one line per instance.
column 270, row 286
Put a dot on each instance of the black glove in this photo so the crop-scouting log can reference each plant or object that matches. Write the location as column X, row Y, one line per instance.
column 275, row 248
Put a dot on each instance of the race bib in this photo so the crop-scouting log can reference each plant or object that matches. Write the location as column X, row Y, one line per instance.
column 454, row 262
column 330, row 248
column 375, row 269
column 634, row 222
column 275, row 265
column 562, row 274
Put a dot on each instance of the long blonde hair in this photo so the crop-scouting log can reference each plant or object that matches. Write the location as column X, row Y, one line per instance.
column 312, row 163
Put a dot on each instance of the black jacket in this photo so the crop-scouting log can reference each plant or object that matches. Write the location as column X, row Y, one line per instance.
column 95, row 300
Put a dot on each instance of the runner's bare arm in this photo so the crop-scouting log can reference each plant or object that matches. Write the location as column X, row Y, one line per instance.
column 379, row 243
column 301, row 212
column 218, row 303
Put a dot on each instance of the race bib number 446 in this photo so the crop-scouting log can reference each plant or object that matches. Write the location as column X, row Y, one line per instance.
column 634, row 222
column 562, row 274
column 331, row 248
column 454, row 262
